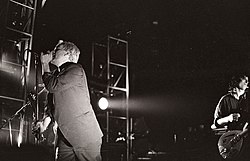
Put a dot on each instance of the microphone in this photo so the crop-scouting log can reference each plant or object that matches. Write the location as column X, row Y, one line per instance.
column 29, row 50
column 32, row 51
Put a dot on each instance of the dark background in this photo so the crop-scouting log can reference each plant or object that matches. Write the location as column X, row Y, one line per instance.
column 182, row 53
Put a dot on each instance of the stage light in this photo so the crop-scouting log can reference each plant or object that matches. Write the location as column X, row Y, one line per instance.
column 103, row 103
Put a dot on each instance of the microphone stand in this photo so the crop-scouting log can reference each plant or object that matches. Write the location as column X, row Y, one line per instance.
column 29, row 103
column 17, row 113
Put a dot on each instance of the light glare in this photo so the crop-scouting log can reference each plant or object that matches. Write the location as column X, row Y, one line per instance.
column 103, row 103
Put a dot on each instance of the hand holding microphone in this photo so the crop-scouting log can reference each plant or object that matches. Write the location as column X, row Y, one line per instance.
column 46, row 57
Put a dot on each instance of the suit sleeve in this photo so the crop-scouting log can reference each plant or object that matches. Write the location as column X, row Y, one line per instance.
column 71, row 76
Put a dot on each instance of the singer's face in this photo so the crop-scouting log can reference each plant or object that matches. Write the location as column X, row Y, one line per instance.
column 60, row 56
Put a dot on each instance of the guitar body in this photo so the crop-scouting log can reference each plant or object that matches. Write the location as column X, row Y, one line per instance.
column 230, row 144
column 36, row 132
column 50, row 136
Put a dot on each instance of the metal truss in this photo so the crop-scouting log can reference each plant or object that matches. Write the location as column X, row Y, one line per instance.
column 110, row 77
column 17, row 19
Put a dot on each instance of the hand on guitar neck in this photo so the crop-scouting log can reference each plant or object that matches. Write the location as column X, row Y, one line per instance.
column 39, row 127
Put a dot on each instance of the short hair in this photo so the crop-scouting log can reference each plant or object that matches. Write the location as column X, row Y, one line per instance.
column 72, row 49
column 235, row 80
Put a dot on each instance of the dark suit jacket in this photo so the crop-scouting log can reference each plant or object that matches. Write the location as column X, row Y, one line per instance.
column 72, row 109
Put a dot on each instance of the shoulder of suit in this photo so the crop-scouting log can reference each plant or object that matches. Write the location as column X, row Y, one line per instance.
column 75, row 68
column 73, row 65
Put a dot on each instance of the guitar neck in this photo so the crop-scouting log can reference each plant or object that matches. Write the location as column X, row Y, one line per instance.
column 243, row 133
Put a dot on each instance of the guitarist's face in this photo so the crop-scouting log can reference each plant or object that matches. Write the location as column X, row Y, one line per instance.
column 243, row 85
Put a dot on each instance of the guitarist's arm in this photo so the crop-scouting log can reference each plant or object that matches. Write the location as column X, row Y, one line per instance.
column 222, row 122
column 230, row 118
column 225, row 120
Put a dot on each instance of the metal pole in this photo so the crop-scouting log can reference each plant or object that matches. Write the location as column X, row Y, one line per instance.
column 108, row 79
column 107, row 126
column 10, row 132
column 127, row 107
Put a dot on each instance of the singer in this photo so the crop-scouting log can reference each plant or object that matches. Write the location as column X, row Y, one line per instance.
column 231, row 111
column 79, row 134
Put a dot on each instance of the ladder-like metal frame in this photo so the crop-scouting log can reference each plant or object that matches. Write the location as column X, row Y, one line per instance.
column 19, row 31
column 113, row 87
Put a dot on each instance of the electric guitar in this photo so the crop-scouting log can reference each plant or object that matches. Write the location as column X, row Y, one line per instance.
column 35, row 128
column 36, row 132
column 230, row 143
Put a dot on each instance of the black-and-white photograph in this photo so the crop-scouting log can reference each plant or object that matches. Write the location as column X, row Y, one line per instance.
column 124, row 80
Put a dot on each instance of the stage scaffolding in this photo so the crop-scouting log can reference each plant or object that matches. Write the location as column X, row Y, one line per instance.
column 17, row 19
column 110, row 78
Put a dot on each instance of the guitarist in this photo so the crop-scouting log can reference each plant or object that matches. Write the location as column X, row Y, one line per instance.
column 232, row 111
